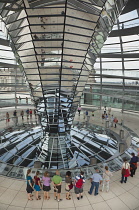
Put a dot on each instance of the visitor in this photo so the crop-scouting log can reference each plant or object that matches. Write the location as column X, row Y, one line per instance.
column 27, row 112
column 7, row 118
column 57, row 181
column 26, row 100
column 16, row 100
column 106, row 117
column 125, row 171
column 20, row 99
column 46, row 185
column 138, row 154
column 15, row 113
column 29, row 187
column 133, row 164
column 69, row 185
column 78, row 185
column 30, row 113
column 22, row 115
column 112, row 119
column 103, row 117
column 106, row 179
column 122, row 122
column 88, row 118
column 15, row 117
column 37, row 185
column 109, row 110
column 35, row 113
column 86, row 113
column 95, row 179
column 35, row 36
column 79, row 110
column 115, row 122
column 105, row 110
column 31, row 87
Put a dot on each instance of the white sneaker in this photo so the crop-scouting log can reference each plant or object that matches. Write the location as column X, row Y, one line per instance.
column 59, row 200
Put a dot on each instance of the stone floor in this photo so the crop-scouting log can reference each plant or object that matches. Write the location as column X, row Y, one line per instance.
column 120, row 197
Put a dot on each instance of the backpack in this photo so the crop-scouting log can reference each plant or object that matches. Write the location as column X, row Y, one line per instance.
column 79, row 183
column 115, row 120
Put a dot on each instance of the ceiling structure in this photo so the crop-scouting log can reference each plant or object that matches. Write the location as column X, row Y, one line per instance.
column 56, row 44
column 115, row 80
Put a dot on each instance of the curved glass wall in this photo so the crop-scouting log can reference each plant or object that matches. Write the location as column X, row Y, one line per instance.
column 116, row 76
column 56, row 44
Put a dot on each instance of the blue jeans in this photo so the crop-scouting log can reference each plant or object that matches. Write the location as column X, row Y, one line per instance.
column 96, row 185
column 124, row 179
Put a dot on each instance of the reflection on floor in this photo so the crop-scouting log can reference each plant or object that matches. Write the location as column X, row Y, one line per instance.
column 120, row 197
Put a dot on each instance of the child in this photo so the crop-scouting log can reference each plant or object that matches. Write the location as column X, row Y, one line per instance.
column 78, row 182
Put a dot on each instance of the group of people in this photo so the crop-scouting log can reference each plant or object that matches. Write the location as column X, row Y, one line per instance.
column 37, row 184
column 29, row 113
column 129, row 168
column 86, row 115
column 19, row 100
column 44, row 184
column 108, row 117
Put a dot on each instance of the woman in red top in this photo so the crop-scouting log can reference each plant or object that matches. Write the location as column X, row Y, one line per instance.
column 30, row 112
column 37, row 185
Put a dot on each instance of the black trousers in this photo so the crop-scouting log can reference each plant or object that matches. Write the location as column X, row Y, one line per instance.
column 124, row 179
column 133, row 171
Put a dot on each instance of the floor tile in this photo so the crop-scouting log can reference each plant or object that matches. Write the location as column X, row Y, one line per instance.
column 81, row 202
column 3, row 206
column 34, row 204
column 94, row 199
column 89, row 207
column 101, row 206
column 117, row 189
column 66, row 204
column 20, row 200
column 2, row 190
column 16, row 185
column 50, row 203
column 6, row 183
column 135, row 192
column 8, row 196
column 15, row 208
column 129, row 200
column 116, row 203
column 107, row 195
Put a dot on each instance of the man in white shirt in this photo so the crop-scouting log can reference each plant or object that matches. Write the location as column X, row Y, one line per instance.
column 96, row 179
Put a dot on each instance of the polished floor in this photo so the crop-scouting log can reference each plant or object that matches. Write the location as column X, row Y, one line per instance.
column 121, row 196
